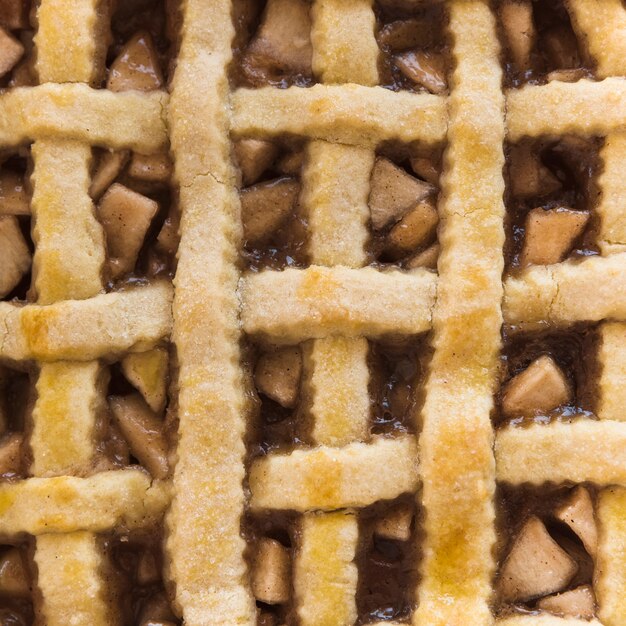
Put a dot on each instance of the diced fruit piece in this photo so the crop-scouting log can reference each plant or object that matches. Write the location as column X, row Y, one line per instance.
column 10, row 454
column 427, row 258
column 11, row 51
column 152, row 168
column 14, row 254
column 13, row 575
column 517, row 22
column 13, row 14
column 567, row 76
column 125, row 217
column 271, row 572
column 277, row 375
column 404, row 34
column 396, row 524
column 24, row 74
column 291, row 163
column 143, row 431
column 424, row 68
column 265, row 206
column 577, row 513
column 147, row 371
column 562, row 48
column 529, row 177
column 109, row 168
column 283, row 41
column 14, row 199
column 540, row 388
column 550, row 235
column 415, row 229
column 168, row 238
column 425, row 169
column 156, row 611
column 147, row 571
column 393, row 192
column 136, row 66
column 254, row 156
column 535, row 566
column 579, row 602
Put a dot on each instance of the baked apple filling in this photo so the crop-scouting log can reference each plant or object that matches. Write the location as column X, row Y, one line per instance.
column 139, row 214
column 136, row 581
column 403, row 208
column 144, row 39
column 16, row 246
column 547, row 376
column 17, row 61
column 272, row 45
column 271, row 539
column 277, row 381
column 550, row 197
column 540, row 44
column 388, row 560
column 274, row 222
column 17, row 573
column 16, row 403
column 138, row 425
column 413, row 43
column 397, row 371
column 547, row 549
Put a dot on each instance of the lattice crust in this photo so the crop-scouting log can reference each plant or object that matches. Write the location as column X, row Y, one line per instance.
column 569, row 292
column 584, row 451
column 455, row 445
column 95, row 116
column 327, row 478
column 136, row 319
column 349, row 114
column 320, row 301
column 64, row 504
column 73, row 322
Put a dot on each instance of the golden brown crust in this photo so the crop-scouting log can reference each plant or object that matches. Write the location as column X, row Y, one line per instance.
column 349, row 114
column 455, row 444
column 318, row 301
column 96, row 116
column 326, row 478
column 204, row 545
column 136, row 320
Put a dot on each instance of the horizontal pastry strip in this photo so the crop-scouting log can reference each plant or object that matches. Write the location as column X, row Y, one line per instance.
column 96, row 116
column 350, row 114
column 295, row 304
column 83, row 330
column 582, row 108
column 583, row 451
column 326, row 478
column 588, row 290
column 545, row 620
column 64, row 504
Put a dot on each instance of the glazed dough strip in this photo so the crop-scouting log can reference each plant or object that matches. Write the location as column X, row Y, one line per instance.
column 204, row 543
column 68, row 260
column 603, row 24
column 456, row 460
column 335, row 193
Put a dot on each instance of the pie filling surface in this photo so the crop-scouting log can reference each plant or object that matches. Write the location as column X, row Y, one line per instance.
column 311, row 312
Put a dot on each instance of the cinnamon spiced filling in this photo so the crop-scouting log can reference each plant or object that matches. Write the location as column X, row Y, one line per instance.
column 272, row 44
column 413, row 40
column 136, row 578
column 17, row 583
column 547, row 375
column 404, row 189
column 551, row 193
column 547, row 543
column 388, row 560
column 540, row 44
column 17, row 60
column 274, row 221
